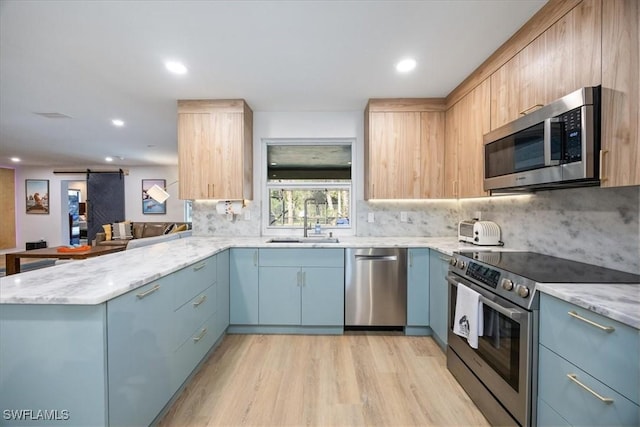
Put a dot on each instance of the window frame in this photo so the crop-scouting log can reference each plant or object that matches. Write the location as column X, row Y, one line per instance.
column 268, row 230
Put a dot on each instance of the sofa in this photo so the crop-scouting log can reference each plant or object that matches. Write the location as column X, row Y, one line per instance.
column 145, row 233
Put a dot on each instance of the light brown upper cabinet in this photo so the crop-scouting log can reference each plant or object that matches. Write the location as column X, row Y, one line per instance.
column 565, row 57
column 215, row 149
column 466, row 123
column 404, row 148
column 620, row 137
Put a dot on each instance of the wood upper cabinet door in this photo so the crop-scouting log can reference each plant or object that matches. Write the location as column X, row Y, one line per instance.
column 620, row 137
column 432, row 134
column 394, row 155
column 215, row 149
column 404, row 148
column 467, row 122
column 566, row 57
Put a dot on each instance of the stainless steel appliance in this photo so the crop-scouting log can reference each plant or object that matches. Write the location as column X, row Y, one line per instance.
column 481, row 233
column 500, row 375
column 375, row 287
column 555, row 146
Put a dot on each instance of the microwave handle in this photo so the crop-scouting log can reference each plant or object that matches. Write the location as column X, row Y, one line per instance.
column 548, row 161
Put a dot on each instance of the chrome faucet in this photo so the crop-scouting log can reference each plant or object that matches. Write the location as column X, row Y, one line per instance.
column 306, row 213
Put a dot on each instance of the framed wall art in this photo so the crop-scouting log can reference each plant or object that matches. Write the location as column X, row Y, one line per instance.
column 37, row 196
column 150, row 206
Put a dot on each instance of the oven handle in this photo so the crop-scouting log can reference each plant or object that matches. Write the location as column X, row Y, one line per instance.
column 511, row 313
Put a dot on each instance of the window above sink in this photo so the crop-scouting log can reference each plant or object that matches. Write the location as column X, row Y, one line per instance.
column 297, row 170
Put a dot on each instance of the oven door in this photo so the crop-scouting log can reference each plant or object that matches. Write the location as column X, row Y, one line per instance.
column 503, row 360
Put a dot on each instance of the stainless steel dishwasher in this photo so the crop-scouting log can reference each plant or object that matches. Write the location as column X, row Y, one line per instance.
column 375, row 287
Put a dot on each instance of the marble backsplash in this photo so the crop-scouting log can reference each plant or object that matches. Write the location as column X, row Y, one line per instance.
column 595, row 225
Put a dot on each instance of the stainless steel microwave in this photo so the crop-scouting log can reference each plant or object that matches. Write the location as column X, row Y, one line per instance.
column 555, row 146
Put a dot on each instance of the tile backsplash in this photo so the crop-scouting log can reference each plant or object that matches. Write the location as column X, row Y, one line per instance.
column 595, row 225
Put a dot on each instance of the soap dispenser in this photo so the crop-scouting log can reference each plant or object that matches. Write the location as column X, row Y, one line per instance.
column 318, row 229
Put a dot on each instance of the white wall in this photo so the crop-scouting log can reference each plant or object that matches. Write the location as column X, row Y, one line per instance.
column 50, row 227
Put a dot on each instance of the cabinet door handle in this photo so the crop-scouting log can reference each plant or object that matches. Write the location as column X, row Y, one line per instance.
column 574, row 378
column 255, row 258
column 526, row 110
column 299, row 280
column 202, row 299
column 454, row 187
column 199, row 266
column 149, row 292
column 304, row 278
column 410, row 259
column 602, row 175
column 201, row 335
column 608, row 329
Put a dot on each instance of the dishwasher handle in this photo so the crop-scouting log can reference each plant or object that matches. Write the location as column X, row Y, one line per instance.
column 376, row 258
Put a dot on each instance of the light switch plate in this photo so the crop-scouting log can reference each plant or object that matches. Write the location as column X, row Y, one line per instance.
column 404, row 217
column 371, row 217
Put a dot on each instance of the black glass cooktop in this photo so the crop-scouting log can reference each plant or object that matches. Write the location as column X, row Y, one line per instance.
column 548, row 269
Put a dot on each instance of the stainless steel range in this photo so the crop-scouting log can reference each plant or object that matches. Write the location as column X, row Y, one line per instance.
column 500, row 375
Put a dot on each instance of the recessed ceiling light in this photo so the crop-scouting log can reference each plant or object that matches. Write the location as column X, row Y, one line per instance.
column 176, row 67
column 15, row 159
column 108, row 159
column 406, row 65
column 117, row 122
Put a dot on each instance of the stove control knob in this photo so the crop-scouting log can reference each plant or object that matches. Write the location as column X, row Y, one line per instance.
column 453, row 261
column 507, row 284
column 522, row 291
column 461, row 265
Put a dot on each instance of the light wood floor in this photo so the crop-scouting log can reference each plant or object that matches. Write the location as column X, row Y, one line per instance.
column 349, row 380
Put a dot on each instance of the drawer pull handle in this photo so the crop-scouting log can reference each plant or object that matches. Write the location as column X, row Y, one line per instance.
column 443, row 258
column 608, row 329
column 199, row 266
column 202, row 299
column 574, row 378
column 149, row 292
column 526, row 111
column 201, row 335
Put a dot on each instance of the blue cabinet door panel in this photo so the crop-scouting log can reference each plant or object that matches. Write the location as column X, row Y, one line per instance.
column 280, row 289
column 438, row 295
column 222, row 288
column 418, row 287
column 243, row 292
column 322, row 296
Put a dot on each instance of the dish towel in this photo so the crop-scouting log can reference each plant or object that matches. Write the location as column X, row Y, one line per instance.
column 468, row 321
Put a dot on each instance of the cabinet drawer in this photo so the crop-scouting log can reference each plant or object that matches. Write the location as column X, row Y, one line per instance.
column 611, row 357
column 191, row 352
column 548, row 417
column 576, row 404
column 301, row 257
column 193, row 314
column 192, row 280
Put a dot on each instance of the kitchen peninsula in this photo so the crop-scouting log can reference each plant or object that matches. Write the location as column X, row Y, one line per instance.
column 110, row 324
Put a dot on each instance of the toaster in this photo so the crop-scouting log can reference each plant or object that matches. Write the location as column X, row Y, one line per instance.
column 482, row 233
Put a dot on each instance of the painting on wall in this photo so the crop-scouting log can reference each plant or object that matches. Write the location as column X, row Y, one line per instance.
column 37, row 196
column 150, row 206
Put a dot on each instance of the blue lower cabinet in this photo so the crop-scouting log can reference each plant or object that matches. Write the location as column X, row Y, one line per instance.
column 322, row 296
column 140, row 352
column 418, row 287
column 280, row 289
column 223, row 283
column 192, row 351
column 579, row 398
column 547, row 416
column 243, row 292
column 54, row 358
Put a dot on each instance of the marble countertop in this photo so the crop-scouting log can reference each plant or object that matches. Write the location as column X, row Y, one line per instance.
column 99, row 279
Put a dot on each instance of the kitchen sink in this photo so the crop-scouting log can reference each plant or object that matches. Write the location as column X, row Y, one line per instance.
column 304, row 240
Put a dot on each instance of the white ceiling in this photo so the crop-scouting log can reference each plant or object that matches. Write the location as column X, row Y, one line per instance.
column 99, row 60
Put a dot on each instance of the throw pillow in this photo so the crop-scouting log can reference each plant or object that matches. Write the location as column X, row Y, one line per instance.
column 122, row 230
column 182, row 227
column 169, row 228
column 107, row 231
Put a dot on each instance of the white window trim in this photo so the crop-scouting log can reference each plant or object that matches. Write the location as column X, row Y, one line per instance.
column 264, row 187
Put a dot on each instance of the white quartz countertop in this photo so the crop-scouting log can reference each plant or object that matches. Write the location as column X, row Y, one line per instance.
column 99, row 279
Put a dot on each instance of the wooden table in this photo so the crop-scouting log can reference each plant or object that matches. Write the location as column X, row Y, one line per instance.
column 13, row 259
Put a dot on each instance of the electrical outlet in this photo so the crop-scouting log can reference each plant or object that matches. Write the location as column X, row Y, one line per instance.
column 404, row 217
column 247, row 215
column 371, row 217
column 477, row 215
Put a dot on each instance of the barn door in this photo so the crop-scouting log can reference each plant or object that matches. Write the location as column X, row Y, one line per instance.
column 105, row 200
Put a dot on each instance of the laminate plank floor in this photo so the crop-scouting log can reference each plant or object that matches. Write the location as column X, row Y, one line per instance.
column 348, row 380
